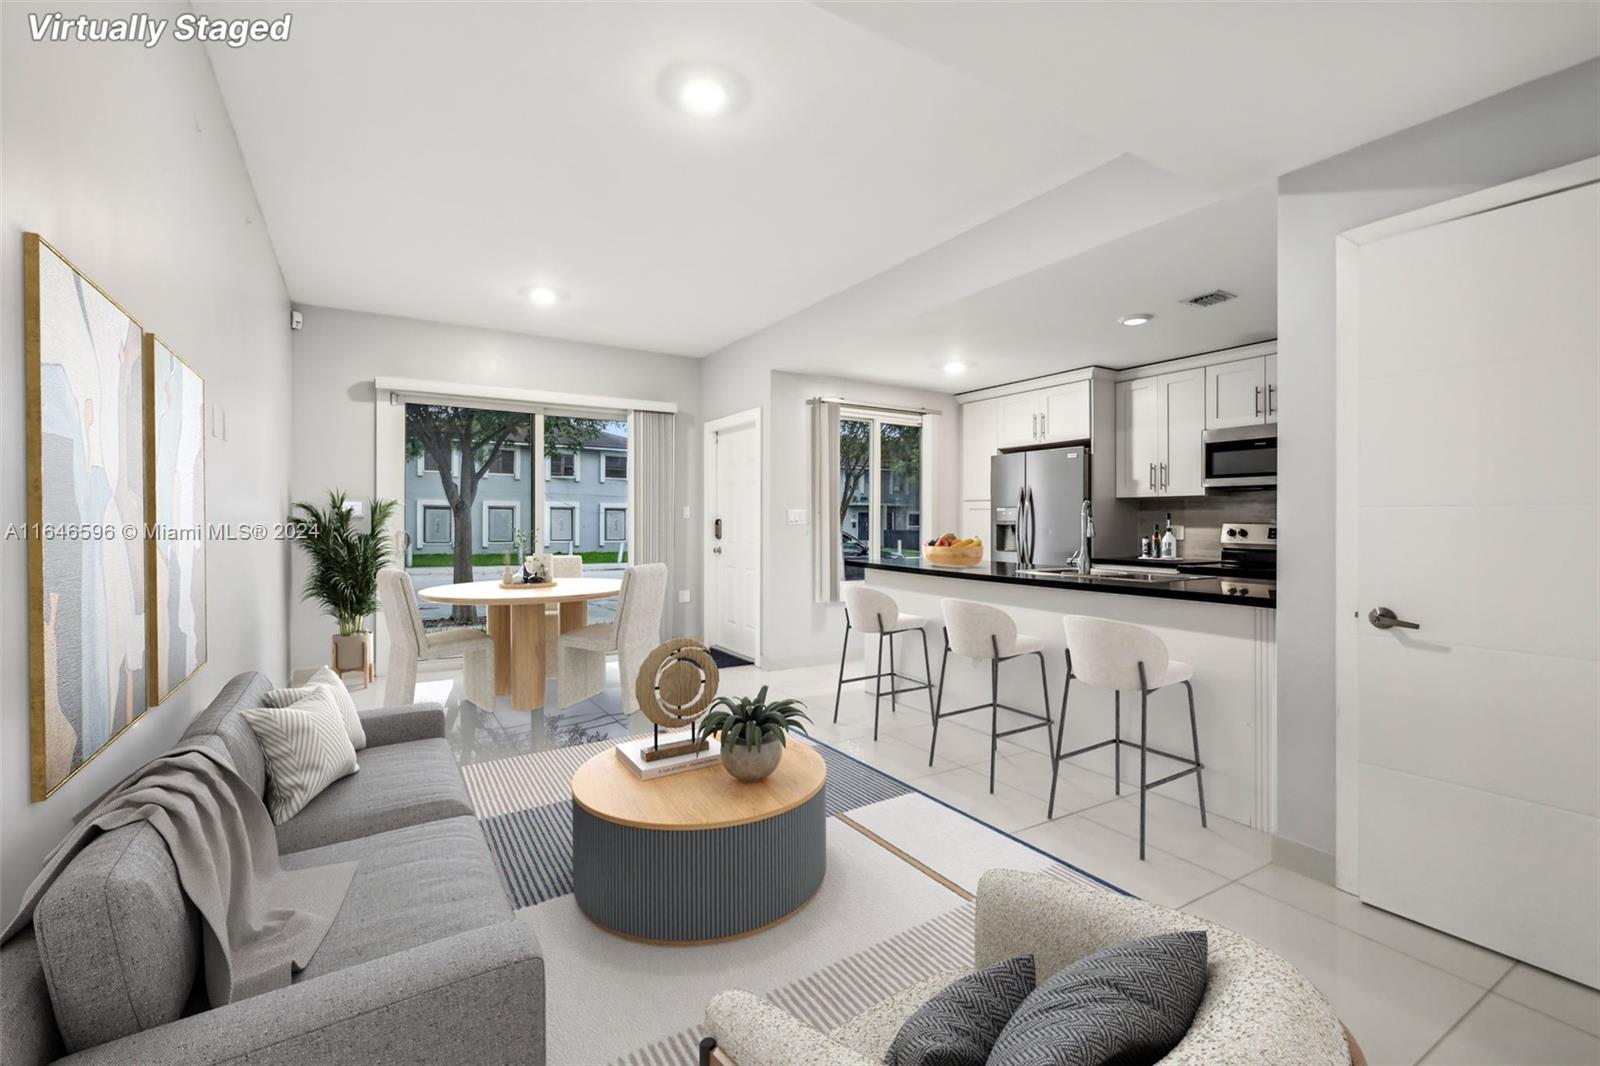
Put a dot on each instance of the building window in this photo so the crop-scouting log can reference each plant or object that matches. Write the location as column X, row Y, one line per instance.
column 614, row 466
column 499, row 523
column 880, row 481
column 436, row 525
column 426, row 465
column 563, row 526
column 614, row 524
column 564, row 464
column 504, row 462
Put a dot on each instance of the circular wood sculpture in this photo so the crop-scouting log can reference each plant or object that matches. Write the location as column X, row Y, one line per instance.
column 677, row 682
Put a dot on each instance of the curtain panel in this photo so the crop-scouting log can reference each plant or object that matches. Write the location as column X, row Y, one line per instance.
column 651, row 473
column 827, row 553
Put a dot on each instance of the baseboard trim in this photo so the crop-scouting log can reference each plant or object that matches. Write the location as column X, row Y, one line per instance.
column 1303, row 859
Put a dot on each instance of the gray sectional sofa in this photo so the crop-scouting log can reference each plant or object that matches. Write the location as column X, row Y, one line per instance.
column 423, row 964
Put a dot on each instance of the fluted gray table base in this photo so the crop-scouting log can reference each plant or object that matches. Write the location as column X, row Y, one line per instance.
column 694, row 885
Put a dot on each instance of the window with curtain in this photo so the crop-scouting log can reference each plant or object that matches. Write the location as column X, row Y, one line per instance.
column 880, row 487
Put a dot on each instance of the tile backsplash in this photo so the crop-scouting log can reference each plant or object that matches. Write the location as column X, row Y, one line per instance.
column 1201, row 518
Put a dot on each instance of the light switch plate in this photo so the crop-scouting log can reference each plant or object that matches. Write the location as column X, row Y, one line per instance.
column 357, row 508
column 683, row 595
column 797, row 516
column 685, row 510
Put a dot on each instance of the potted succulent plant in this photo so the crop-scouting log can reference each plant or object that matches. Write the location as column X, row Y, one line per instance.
column 753, row 732
column 344, row 570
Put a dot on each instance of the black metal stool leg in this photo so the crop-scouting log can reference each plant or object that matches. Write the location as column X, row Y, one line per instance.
column 844, row 654
column 894, row 700
column 1194, row 734
column 994, row 716
column 1144, row 751
column 877, row 687
column 1061, row 732
column 927, row 667
column 1116, row 727
column 944, row 661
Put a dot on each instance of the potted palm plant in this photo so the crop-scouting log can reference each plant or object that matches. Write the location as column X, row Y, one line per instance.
column 344, row 570
column 752, row 732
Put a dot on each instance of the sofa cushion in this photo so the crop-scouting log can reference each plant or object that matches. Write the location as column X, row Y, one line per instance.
column 412, row 886
column 327, row 678
column 959, row 1024
column 399, row 785
column 222, row 719
column 307, row 750
column 1129, row 1003
column 118, row 940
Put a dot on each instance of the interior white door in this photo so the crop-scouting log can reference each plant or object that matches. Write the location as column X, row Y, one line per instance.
column 1181, row 469
column 734, row 617
column 1236, row 393
column 1138, row 437
column 1474, row 388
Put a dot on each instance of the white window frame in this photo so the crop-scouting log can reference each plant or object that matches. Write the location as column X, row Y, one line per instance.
column 577, row 466
column 878, row 419
column 483, row 522
column 422, row 544
column 577, row 524
column 423, row 471
column 516, row 463
column 605, row 453
column 627, row 522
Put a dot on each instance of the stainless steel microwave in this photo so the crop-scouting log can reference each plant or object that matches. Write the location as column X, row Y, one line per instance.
column 1241, row 457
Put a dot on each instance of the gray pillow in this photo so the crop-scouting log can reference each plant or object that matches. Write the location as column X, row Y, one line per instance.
column 1130, row 1003
column 958, row 1026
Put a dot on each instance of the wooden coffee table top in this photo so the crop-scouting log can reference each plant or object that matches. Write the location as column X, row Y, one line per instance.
column 709, row 798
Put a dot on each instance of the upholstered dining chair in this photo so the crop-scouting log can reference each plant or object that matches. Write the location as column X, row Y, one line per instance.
column 636, row 630
column 560, row 566
column 409, row 643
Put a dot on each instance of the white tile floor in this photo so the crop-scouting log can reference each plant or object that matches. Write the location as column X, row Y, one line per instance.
column 1409, row 993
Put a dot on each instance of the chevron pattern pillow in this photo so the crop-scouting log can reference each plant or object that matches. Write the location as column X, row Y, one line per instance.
column 307, row 749
column 283, row 697
column 1129, row 1003
column 958, row 1026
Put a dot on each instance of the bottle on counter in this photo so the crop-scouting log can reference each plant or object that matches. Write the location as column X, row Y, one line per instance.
column 1169, row 543
column 1144, row 547
column 1155, row 541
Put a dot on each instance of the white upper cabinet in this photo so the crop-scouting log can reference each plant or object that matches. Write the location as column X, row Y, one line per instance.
column 1068, row 412
column 1138, row 437
column 1236, row 394
column 1269, row 380
column 1021, row 419
column 1160, row 435
column 979, row 429
column 1181, row 451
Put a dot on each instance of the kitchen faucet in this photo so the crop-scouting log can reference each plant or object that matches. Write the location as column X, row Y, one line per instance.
column 1085, row 534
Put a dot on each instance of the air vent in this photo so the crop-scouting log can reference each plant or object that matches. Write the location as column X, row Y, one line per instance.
column 1210, row 299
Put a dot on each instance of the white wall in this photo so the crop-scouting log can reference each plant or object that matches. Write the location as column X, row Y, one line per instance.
column 338, row 354
column 1534, row 127
column 123, row 157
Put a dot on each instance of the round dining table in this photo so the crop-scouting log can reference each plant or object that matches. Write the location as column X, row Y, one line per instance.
column 517, row 625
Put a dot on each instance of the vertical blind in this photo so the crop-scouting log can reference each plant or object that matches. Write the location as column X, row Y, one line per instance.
column 827, row 555
column 653, row 439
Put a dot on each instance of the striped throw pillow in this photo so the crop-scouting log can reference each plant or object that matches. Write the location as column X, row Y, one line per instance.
column 307, row 749
column 326, row 678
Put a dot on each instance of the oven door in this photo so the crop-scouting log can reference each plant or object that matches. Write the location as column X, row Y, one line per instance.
column 1241, row 457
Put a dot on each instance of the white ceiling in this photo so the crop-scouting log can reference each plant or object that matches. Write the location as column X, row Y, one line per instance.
column 1065, row 316
column 436, row 160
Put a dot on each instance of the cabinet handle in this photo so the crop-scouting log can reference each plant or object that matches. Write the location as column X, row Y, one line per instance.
column 1272, row 400
column 1153, row 485
column 1164, row 481
column 1258, row 401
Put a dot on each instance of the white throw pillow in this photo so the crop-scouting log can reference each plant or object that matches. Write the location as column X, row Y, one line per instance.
column 324, row 678
column 307, row 749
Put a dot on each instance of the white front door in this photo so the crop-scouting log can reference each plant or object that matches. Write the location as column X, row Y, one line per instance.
column 1470, row 354
column 734, row 613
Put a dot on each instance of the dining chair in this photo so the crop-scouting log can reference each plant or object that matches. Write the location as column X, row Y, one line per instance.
column 636, row 630
column 410, row 642
column 561, row 566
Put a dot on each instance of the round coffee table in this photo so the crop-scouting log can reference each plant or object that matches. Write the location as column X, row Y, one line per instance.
column 697, row 856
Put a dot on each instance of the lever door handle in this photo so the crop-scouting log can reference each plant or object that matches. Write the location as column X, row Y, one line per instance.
column 1383, row 618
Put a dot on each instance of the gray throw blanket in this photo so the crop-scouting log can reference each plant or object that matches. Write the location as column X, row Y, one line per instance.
column 260, row 923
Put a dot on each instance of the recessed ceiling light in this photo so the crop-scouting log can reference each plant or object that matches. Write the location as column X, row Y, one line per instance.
column 543, row 296
column 701, row 90
column 1136, row 320
column 954, row 367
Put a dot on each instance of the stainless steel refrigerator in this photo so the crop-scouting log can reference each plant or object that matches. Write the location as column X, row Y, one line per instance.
column 1037, row 496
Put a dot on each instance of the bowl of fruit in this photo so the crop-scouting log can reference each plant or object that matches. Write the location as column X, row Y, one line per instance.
column 950, row 550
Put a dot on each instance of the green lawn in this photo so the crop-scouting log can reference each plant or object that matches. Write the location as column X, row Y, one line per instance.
column 497, row 559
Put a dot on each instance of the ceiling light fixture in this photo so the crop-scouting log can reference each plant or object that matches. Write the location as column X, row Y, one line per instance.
column 954, row 367
column 701, row 90
column 1136, row 320
column 543, row 296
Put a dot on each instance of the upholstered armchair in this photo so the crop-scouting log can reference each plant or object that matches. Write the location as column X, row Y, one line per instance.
column 1257, row 1009
column 409, row 643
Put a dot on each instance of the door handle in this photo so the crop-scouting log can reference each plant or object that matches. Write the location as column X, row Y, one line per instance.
column 716, row 529
column 1383, row 618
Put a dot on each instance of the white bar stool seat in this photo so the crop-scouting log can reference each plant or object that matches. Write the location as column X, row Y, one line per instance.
column 871, row 610
column 1116, row 655
column 980, row 631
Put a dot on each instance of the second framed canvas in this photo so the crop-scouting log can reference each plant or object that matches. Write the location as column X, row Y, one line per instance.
column 176, row 487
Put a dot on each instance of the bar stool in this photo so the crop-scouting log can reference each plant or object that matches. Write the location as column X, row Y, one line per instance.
column 1116, row 655
column 874, row 611
column 979, row 631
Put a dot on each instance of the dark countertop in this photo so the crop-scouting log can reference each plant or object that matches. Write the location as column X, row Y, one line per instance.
column 1248, row 593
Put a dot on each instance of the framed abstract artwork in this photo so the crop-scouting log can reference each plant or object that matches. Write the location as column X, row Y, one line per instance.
column 175, row 490
column 84, row 364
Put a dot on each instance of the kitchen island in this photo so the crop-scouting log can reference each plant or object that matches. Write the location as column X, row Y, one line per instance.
column 1224, row 627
